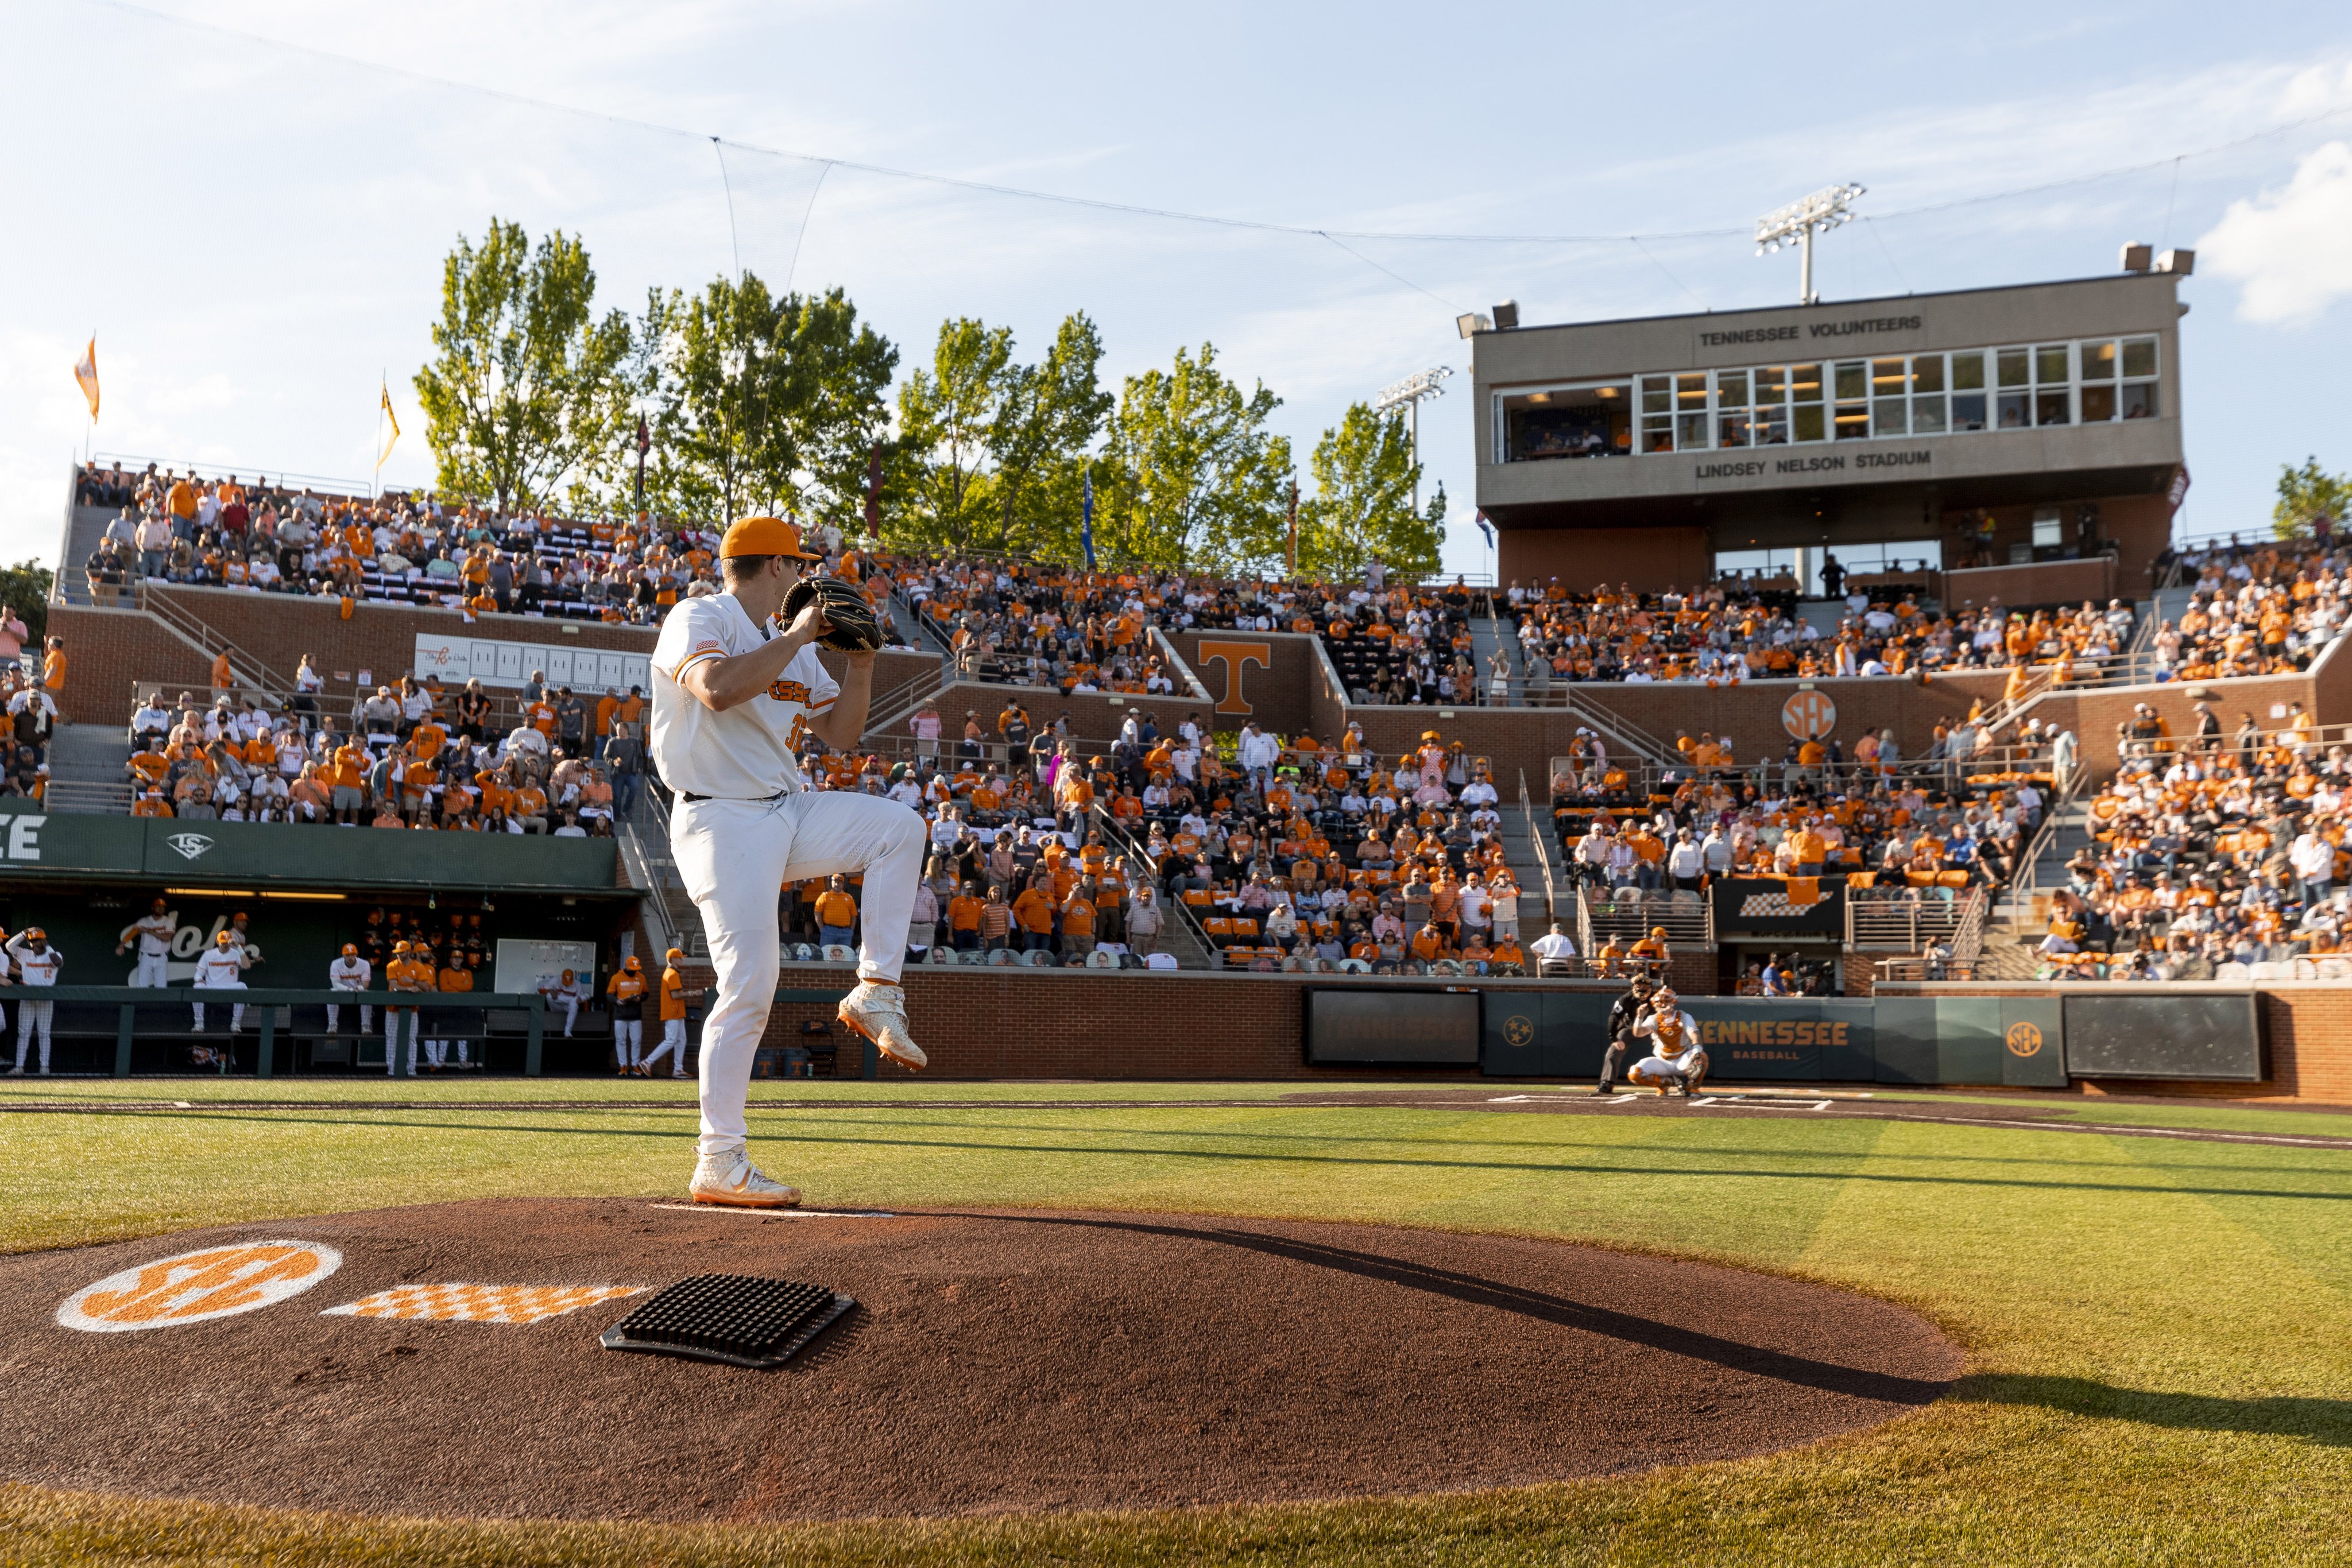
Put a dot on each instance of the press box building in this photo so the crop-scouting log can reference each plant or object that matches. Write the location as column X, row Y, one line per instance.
column 1991, row 427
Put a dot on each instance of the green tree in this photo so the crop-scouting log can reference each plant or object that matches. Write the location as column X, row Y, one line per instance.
column 761, row 404
column 24, row 589
column 948, row 420
column 2306, row 493
column 1052, row 414
column 1362, row 505
column 526, row 385
column 994, row 448
column 1192, row 475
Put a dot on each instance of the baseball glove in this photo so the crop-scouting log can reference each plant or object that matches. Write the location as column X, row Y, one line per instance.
column 850, row 622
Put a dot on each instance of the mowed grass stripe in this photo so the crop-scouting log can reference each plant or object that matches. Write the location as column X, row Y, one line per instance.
column 2135, row 1402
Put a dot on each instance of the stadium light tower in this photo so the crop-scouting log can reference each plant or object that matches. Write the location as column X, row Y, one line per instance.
column 1409, row 393
column 1795, row 224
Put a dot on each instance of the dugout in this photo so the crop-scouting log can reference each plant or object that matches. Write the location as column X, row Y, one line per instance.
column 305, row 891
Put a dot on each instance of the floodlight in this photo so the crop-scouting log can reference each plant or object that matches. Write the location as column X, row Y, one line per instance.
column 2182, row 262
column 1473, row 321
column 2137, row 254
column 1407, row 395
column 1796, row 223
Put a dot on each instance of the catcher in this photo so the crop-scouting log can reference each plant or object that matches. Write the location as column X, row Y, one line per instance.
column 1675, row 1060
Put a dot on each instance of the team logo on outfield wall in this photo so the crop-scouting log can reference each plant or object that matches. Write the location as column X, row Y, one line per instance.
column 2023, row 1039
column 1518, row 1030
column 217, row 1283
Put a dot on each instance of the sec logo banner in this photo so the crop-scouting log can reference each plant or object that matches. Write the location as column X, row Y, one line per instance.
column 2025, row 1039
column 217, row 1283
column 1809, row 716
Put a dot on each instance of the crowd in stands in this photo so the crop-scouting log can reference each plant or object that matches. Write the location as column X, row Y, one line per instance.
column 411, row 757
column 223, row 533
column 1292, row 852
column 1030, row 625
column 2256, row 609
column 2212, row 853
column 1722, row 634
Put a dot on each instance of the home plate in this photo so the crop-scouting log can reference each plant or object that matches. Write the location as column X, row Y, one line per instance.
column 775, row 1213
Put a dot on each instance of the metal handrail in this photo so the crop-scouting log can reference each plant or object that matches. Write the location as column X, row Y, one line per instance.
column 188, row 623
column 1904, row 922
column 1543, row 856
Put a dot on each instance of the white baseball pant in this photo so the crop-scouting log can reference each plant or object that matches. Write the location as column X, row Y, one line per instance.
column 30, row 1017
column 235, row 1011
column 153, row 971
column 673, row 1046
column 335, row 1013
column 399, row 1032
column 628, row 1039
column 570, row 1015
column 735, row 856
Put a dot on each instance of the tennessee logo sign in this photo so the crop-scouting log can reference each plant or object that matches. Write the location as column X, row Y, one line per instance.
column 2023, row 1039
column 1236, row 657
column 1809, row 716
column 1518, row 1031
column 217, row 1282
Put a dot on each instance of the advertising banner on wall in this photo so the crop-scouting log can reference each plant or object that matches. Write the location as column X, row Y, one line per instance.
column 458, row 659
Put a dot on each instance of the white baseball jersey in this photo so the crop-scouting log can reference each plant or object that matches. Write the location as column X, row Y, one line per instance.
column 37, row 968
column 154, row 935
column 218, row 967
column 750, row 751
column 349, row 974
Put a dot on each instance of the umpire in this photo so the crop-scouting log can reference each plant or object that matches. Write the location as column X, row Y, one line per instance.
column 1621, row 1015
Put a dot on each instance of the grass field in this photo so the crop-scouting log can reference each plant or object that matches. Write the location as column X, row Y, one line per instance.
column 2159, row 1330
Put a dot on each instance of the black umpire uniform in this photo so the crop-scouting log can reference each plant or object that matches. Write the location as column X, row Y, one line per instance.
column 1622, row 1014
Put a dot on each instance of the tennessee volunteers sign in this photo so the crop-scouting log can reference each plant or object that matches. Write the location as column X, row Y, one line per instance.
column 1235, row 655
column 217, row 1282
column 1809, row 716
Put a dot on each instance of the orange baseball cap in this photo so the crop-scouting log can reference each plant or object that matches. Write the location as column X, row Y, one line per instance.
column 764, row 536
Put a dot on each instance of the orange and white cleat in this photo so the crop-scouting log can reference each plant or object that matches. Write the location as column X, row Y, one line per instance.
column 733, row 1180
column 877, row 1010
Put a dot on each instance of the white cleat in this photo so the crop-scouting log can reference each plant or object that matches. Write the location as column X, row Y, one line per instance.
column 879, row 1011
column 732, row 1179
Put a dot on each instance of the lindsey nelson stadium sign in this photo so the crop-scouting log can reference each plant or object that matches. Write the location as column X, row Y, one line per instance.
column 1819, row 463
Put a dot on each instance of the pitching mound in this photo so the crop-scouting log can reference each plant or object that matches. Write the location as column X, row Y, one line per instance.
column 445, row 1360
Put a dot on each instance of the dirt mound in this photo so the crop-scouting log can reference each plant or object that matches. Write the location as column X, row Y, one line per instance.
column 996, row 1363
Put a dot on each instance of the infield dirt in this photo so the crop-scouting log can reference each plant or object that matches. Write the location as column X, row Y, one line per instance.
column 997, row 1362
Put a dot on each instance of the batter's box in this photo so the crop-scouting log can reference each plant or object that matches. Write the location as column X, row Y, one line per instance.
column 736, row 1318
column 461, row 1303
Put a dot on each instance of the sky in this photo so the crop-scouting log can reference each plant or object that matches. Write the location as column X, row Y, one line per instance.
column 248, row 201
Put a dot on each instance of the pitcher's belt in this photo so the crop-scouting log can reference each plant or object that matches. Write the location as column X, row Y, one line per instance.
column 759, row 800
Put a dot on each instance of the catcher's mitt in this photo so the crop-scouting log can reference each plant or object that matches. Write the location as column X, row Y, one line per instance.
column 850, row 622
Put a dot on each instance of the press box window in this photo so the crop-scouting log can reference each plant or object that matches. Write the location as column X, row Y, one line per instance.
column 1808, row 417
column 1968, row 391
column 2013, row 402
column 1731, row 418
column 1594, row 421
column 1690, row 412
column 1657, row 414
column 1852, row 400
column 2138, row 394
column 1889, row 414
column 2054, row 392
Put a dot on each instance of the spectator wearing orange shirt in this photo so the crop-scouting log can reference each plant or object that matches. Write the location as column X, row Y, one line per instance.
column 836, row 914
column 965, row 914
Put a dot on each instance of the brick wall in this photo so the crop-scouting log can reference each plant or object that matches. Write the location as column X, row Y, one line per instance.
column 2035, row 582
column 1277, row 695
column 1651, row 558
column 1013, row 1023
column 107, row 651
column 279, row 629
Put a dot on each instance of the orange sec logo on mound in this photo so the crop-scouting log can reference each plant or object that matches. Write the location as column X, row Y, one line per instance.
column 195, row 1287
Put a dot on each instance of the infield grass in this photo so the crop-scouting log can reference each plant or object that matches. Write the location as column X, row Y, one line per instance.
column 2159, row 1331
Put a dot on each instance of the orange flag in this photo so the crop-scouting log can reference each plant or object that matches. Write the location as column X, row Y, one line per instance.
column 85, row 373
column 1804, row 892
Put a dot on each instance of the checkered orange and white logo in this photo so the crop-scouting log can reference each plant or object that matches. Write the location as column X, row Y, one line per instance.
column 217, row 1282
column 459, row 1303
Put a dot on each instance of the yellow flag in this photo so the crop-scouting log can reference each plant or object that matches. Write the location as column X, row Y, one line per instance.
column 85, row 373
column 392, row 420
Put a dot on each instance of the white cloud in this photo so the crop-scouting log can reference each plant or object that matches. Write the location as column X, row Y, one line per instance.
column 2287, row 246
